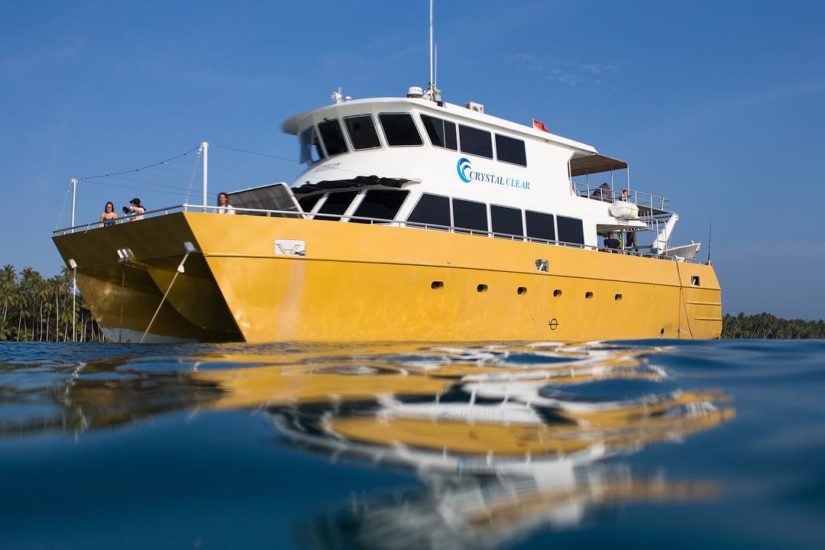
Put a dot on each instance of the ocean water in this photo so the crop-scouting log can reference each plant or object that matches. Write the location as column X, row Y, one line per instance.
column 658, row 443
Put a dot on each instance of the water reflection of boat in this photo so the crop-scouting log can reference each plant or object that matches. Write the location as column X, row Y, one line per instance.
column 462, row 511
column 502, row 449
column 504, row 440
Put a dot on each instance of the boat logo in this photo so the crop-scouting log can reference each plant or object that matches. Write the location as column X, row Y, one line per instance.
column 467, row 175
column 463, row 167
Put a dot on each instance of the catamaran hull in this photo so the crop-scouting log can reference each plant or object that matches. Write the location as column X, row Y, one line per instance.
column 261, row 279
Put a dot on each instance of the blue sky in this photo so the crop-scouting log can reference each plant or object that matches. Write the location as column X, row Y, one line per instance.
column 719, row 106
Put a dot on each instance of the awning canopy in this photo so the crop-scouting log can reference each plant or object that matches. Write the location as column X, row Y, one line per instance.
column 594, row 164
column 354, row 183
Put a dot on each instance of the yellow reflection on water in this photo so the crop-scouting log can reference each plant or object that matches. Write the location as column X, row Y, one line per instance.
column 495, row 406
column 501, row 444
column 505, row 439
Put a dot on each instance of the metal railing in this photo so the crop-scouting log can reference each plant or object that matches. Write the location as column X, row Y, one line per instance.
column 358, row 219
column 640, row 198
column 85, row 227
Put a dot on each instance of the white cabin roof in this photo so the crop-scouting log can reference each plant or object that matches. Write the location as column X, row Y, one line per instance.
column 295, row 123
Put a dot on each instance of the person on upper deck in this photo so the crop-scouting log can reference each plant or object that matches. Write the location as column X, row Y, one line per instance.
column 625, row 195
column 611, row 242
column 630, row 240
column 223, row 204
column 109, row 216
column 135, row 210
column 602, row 193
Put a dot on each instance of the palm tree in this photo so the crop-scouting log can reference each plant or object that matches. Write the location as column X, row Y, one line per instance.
column 8, row 283
column 30, row 288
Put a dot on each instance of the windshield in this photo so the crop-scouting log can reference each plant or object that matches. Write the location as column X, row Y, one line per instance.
column 310, row 146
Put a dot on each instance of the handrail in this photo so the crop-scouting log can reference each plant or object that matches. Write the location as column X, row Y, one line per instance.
column 195, row 207
column 372, row 221
column 125, row 219
column 639, row 198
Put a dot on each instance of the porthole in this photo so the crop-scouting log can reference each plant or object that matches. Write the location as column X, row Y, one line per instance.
column 694, row 280
column 557, row 293
column 481, row 288
column 588, row 295
column 521, row 290
column 662, row 332
column 435, row 285
column 618, row 297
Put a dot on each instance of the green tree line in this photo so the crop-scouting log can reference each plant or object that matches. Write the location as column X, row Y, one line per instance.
column 37, row 309
column 765, row 325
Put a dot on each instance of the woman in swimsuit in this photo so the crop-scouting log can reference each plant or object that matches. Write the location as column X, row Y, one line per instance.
column 109, row 215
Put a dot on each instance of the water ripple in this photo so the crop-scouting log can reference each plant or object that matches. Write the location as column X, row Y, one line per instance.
column 506, row 441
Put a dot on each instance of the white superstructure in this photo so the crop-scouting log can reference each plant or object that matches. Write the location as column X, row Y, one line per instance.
column 459, row 167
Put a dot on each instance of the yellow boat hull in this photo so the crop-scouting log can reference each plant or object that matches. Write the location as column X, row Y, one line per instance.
column 358, row 283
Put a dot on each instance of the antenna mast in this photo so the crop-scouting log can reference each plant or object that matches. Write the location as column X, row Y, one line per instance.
column 433, row 93
column 432, row 77
column 710, row 232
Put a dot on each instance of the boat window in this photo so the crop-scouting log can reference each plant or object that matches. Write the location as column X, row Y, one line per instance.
column 441, row 132
column 362, row 132
column 469, row 215
column 310, row 146
column 336, row 204
column 540, row 225
column 431, row 210
column 475, row 141
column 308, row 203
column 382, row 204
column 506, row 221
column 333, row 137
column 570, row 230
column 510, row 150
column 399, row 129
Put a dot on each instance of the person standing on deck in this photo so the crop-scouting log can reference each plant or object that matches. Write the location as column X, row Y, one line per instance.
column 135, row 210
column 109, row 216
column 223, row 204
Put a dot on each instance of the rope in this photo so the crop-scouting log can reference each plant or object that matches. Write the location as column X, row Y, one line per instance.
column 165, row 294
column 684, row 302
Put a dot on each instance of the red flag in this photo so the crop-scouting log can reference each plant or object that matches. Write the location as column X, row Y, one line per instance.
column 540, row 125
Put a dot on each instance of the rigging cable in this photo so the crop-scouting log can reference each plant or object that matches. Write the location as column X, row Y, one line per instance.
column 63, row 208
column 147, row 182
column 192, row 177
column 140, row 169
column 356, row 172
column 127, row 186
column 254, row 153
column 119, row 175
